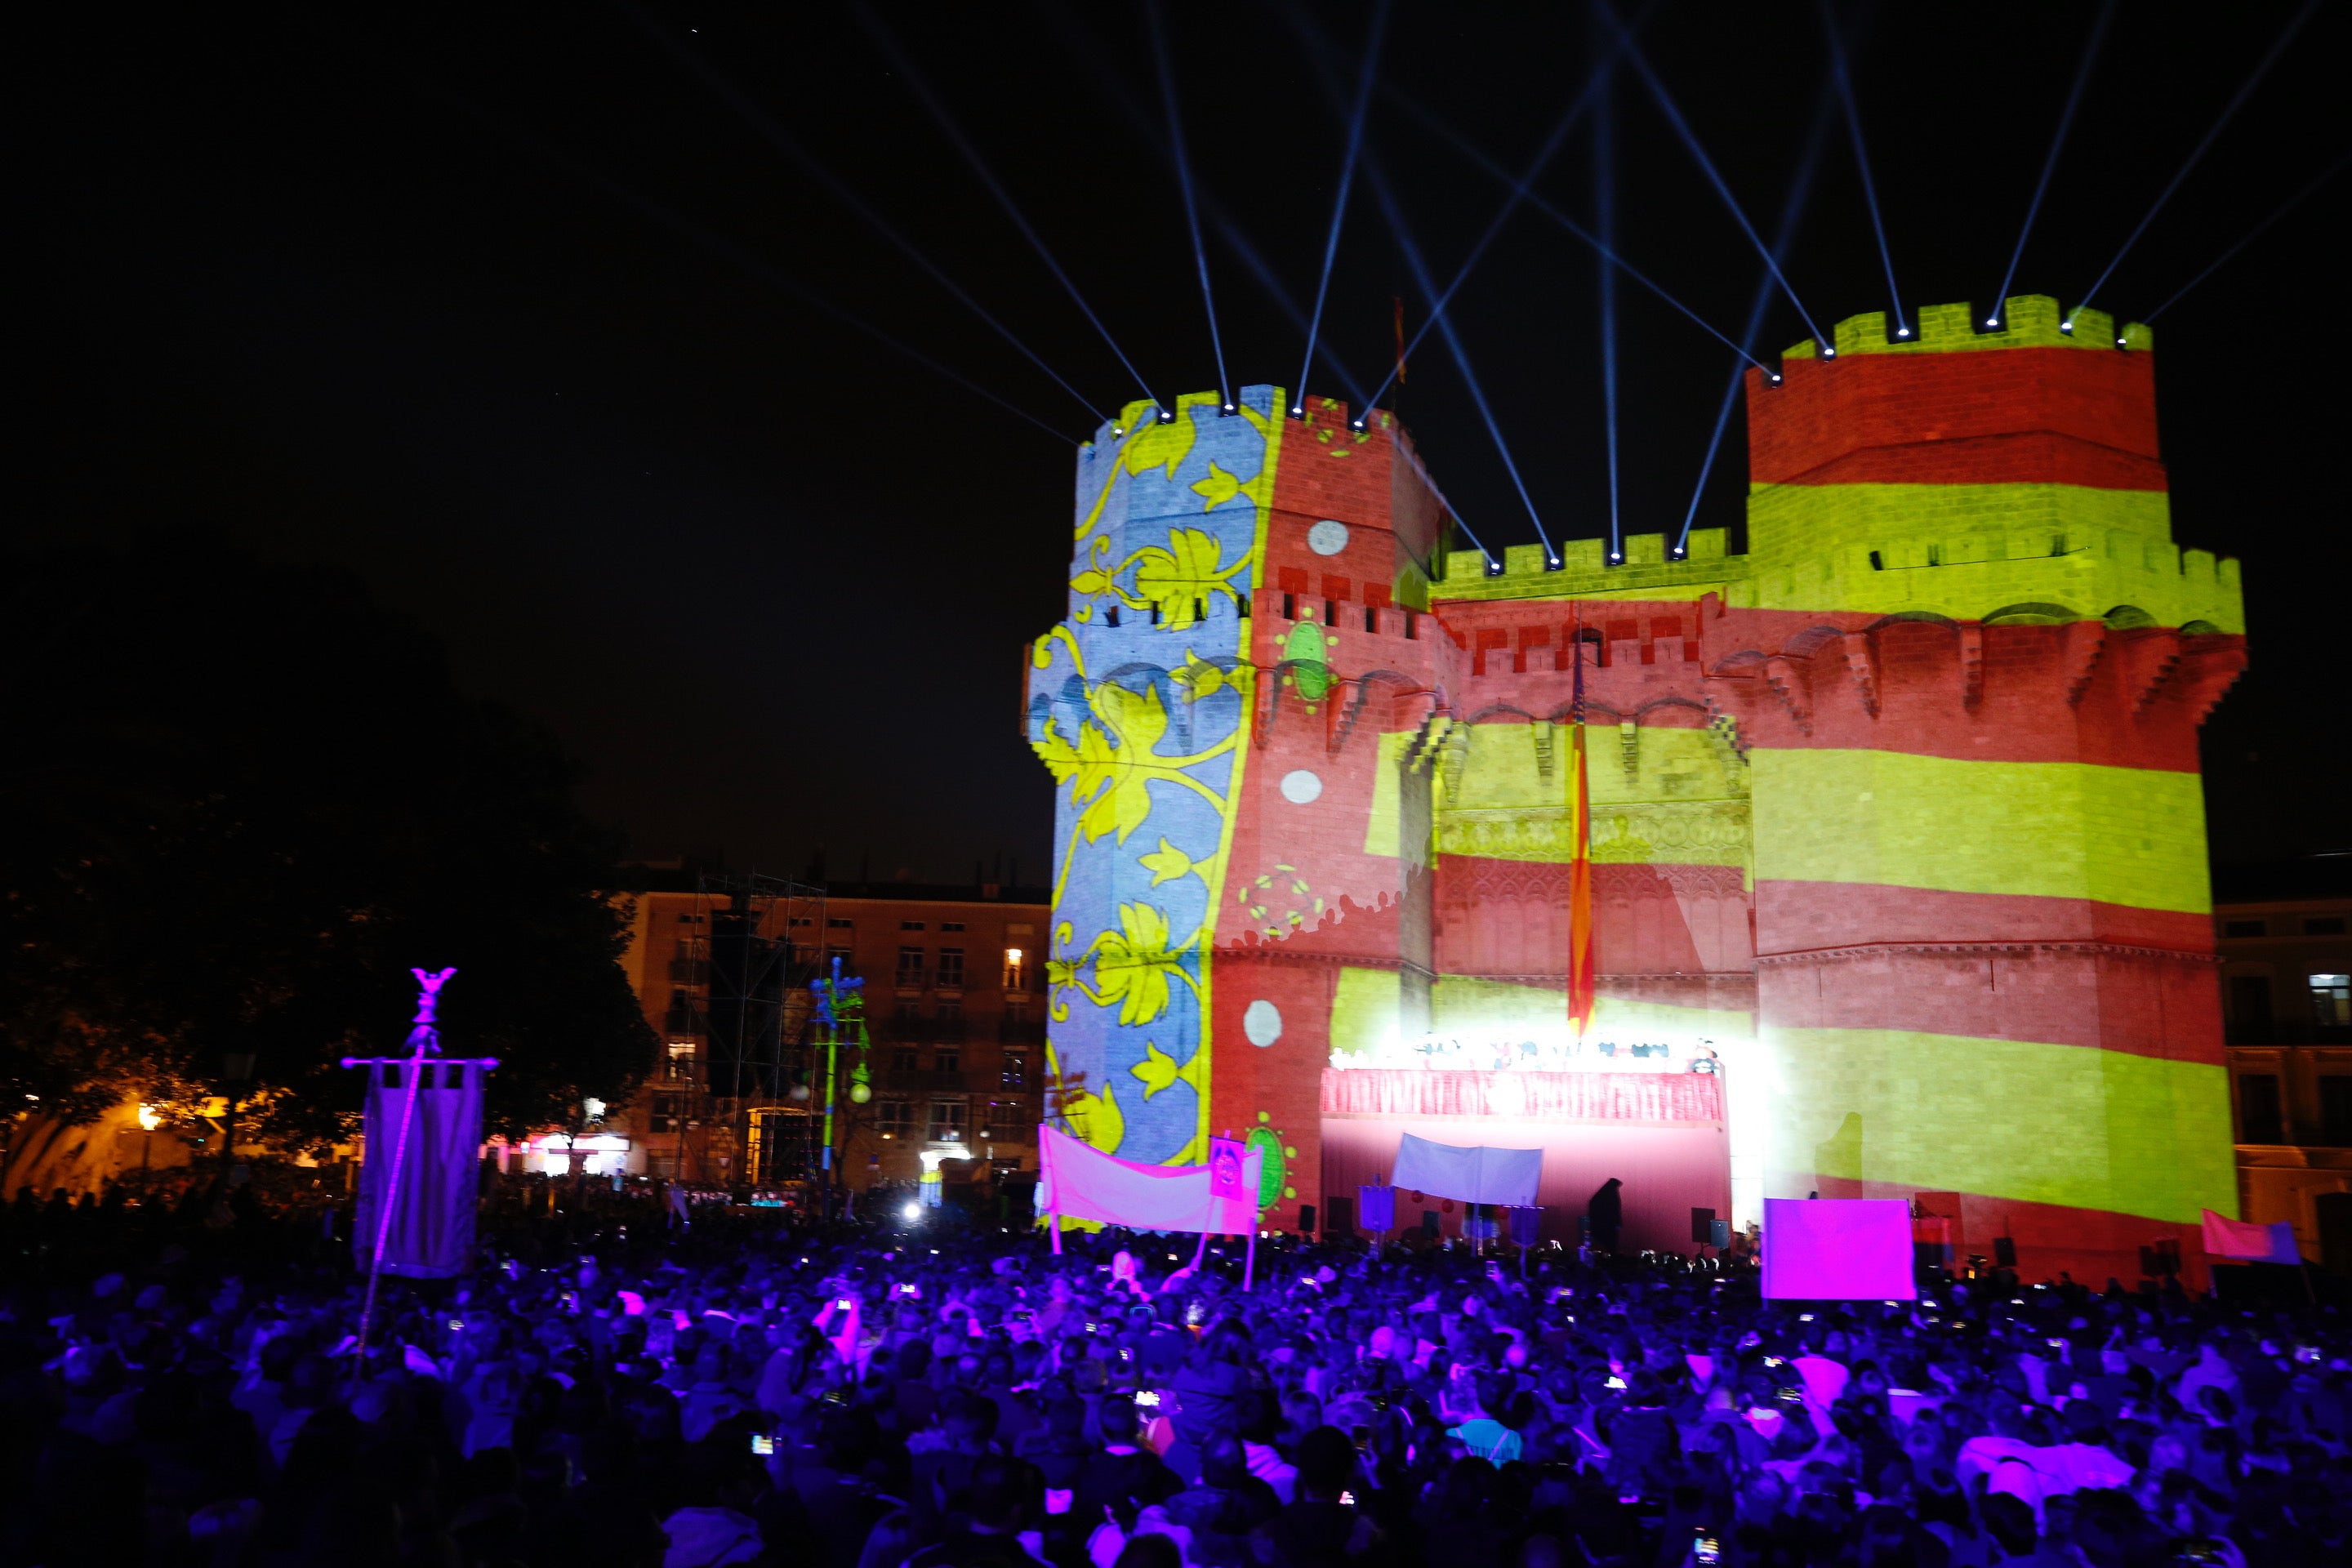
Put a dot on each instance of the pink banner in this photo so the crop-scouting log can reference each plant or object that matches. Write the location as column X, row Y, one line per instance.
column 1536, row 1096
column 2249, row 1242
column 1076, row 1179
column 1838, row 1249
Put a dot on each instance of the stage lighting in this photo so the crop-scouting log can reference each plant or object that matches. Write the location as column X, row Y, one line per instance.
column 911, row 1213
column 1166, row 417
column 1829, row 354
column 1902, row 332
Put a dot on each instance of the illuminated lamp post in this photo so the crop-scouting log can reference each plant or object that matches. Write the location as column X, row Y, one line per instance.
column 150, row 1119
column 841, row 1010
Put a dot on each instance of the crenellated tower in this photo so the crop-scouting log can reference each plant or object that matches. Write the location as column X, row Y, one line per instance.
column 1896, row 813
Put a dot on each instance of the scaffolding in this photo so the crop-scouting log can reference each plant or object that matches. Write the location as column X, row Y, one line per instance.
column 755, row 944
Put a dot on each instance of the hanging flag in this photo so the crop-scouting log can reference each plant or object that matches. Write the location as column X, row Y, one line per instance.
column 1397, row 301
column 1582, row 972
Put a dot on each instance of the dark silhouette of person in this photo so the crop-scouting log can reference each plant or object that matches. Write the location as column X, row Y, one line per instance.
column 1604, row 1215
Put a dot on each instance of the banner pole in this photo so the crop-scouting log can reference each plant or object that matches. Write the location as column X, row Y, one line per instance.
column 1201, row 1250
column 1249, row 1261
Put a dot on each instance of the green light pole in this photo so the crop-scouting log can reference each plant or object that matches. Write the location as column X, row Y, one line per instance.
column 841, row 1009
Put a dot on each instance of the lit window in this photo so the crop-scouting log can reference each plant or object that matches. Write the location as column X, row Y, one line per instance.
column 1016, row 970
column 2331, row 999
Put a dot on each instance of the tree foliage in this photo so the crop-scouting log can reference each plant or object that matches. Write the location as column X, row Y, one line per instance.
column 243, row 800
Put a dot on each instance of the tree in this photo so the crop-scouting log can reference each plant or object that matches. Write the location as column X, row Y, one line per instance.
column 243, row 799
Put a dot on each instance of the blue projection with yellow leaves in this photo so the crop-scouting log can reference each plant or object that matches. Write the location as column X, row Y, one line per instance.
column 1141, row 705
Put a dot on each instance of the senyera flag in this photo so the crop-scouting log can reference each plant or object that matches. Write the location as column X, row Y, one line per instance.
column 1582, row 972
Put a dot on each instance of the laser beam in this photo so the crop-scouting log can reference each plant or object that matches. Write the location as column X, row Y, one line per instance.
column 1792, row 211
column 1471, row 150
column 784, row 142
column 1706, row 165
column 2057, row 144
column 1339, row 203
column 1593, row 84
column 920, row 87
column 1844, row 80
column 2254, row 233
column 1413, row 260
column 1185, row 182
column 1604, row 220
column 2228, row 111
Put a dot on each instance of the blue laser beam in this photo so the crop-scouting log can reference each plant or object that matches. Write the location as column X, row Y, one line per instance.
column 1471, row 150
column 1520, row 192
column 2057, row 144
column 2256, row 233
column 1339, row 203
column 784, row 142
column 1674, row 114
column 1089, row 53
column 1843, row 76
column 1792, row 211
column 1185, row 182
column 1604, row 220
column 920, row 87
column 2245, row 91
column 718, row 244
column 1421, row 280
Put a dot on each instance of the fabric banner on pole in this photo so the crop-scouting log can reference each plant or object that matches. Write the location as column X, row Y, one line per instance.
column 431, row 1236
column 1479, row 1176
column 1078, row 1180
column 1527, row 1223
column 1376, row 1208
column 2247, row 1242
column 1838, row 1249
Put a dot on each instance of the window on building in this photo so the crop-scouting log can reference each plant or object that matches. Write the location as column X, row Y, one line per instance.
column 908, row 1019
column 903, row 1059
column 910, row 925
column 836, row 923
column 2336, row 1110
column 677, row 1062
column 892, row 1118
column 947, row 1120
column 1016, row 1069
column 950, row 1061
column 951, row 925
column 951, row 967
column 803, row 921
column 2249, row 1002
column 2258, row 1120
column 2331, row 999
column 1019, row 930
column 669, row 1112
column 2324, row 925
column 910, row 966
column 1017, row 969
column 804, row 954
column 949, row 1030
column 2245, row 927
column 842, row 953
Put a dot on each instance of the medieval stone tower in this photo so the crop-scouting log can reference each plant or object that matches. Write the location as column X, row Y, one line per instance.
column 1898, row 814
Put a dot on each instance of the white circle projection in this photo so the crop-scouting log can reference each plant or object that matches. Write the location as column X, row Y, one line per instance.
column 1300, row 787
column 1327, row 538
column 1262, row 1021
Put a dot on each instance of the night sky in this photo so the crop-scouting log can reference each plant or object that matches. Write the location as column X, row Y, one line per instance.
column 496, row 308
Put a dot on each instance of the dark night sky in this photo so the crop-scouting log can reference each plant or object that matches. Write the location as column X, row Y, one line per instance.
column 365, row 289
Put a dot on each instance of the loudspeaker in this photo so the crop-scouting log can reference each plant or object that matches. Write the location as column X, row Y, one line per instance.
column 1307, row 1219
column 2004, row 1252
column 1703, row 1226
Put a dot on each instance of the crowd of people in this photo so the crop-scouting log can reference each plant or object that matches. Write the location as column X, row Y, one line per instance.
column 615, row 1386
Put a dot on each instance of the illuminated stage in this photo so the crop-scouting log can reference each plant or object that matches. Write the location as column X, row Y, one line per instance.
column 1895, row 819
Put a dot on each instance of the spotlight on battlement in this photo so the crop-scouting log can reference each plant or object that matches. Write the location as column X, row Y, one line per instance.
column 1616, row 558
column 1357, row 423
column 2067, row 326
column 1168, row 416
column 1828, row 351
column 1494, row 568
column 1298, row 411
column 1993, row 323
column 1229, row 408
column 1773, row 376
column 1679, row 553
column 1902, row 332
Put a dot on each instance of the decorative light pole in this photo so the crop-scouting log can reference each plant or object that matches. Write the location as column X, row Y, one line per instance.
column 841, row 1010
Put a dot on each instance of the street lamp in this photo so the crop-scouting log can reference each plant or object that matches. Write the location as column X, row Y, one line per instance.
column 150, row 1119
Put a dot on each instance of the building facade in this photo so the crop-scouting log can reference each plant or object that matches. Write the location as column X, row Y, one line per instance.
column 955, row 994
column 2286, row 979
column 1896, row 815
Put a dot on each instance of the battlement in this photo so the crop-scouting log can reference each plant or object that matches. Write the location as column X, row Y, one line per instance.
column 2027, row 320
column 1584, row 570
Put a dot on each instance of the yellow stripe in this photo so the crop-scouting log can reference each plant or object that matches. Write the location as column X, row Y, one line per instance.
column 1472, row 1004
column 2056, row 830
column 2012, row 1119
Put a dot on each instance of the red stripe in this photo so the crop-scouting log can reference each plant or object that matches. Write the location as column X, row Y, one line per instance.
column 1825, row 409
column 2035, row 457
column 1800, row 917
column 2132, row 1003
